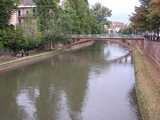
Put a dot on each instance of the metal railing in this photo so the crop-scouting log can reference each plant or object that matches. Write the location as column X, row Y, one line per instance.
column 152, row 38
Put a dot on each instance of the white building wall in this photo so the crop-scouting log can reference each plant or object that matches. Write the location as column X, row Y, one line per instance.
column 24, row 11
column 13, row 19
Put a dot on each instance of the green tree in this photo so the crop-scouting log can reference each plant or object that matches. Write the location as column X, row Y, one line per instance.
column 86, row 20
column 139, row 19
column 74, row 17
column 80, row 15
column 147, row 17
column 46, row 11
column 101, row 13
column 6, row 9
column 154, row 16
column 12, row 39
column 127, row 30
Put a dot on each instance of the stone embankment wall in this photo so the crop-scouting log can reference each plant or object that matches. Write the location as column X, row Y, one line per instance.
column 147, row 68
column 152, row 49
column 149, row 48
column 147, row 86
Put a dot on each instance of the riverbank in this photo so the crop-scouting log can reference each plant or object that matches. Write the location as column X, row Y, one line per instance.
column 4, row 58
column 13, row 62
column 147, row 86
column 18, row 62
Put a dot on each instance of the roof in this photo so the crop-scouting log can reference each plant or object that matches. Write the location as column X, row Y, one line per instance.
column 116, row 24
column 26, row 6
column 26, row 2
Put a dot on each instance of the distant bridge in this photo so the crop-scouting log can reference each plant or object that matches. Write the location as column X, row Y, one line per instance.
column 129, row 42
column 126, row 41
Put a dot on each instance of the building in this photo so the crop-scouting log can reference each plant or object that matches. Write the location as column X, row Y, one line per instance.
column 26, row 8
column 116, row 27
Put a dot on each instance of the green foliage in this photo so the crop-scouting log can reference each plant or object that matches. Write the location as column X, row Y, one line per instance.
column 79, row 12
column 46, row 11
column 9, row 37
column 101, row 13
column 12, row 39
column 147, row 16
column 75, row 17
column 127, row 30
column 52, row 24
column 139, row 19
column 32, row 42
column 85, row 20
column 16, row 40
column 6, row 8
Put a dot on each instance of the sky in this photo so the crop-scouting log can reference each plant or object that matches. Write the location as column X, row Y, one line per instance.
column 121, row 9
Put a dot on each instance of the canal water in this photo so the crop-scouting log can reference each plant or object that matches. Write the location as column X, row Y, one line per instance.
column 80, row 85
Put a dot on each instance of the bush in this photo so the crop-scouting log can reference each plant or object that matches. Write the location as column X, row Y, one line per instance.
column 13, row 39
column 32, row 41
column 55, row 37
column 1, row 45
column 17, row 40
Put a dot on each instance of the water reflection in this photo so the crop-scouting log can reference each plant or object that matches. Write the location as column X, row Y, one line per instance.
column 74, row 86
column 111, row 90
column 63, row 112
column 26, row 101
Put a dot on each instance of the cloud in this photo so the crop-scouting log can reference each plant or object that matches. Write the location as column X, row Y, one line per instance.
column 121, row 9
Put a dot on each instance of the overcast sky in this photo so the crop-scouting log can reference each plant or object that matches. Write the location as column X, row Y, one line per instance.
column 121, row 9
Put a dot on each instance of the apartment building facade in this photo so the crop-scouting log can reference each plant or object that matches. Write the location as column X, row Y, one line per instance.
column 25, row 9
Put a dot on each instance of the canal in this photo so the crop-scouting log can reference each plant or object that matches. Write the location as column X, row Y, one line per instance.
column 80, row 85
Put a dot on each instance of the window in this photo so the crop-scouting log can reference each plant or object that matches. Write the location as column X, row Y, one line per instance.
column 34, row 11
column 19, row 21
column 27, row 12
column 19, row 12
